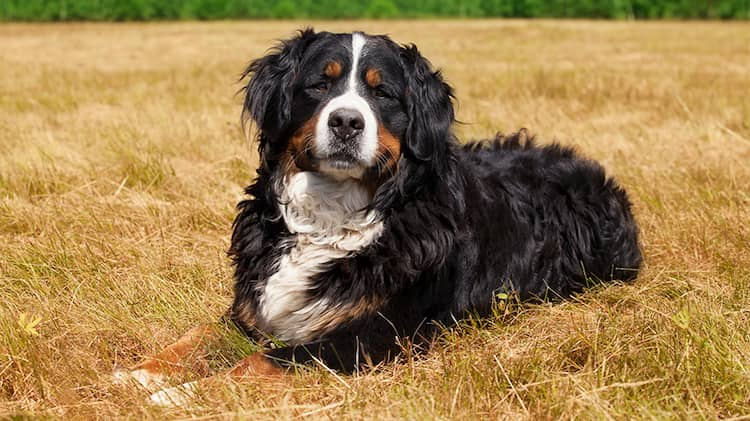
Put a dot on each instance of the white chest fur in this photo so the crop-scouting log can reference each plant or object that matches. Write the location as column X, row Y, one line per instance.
column 327, row 218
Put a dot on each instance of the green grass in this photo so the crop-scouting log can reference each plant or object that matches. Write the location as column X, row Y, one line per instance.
column 122, row 157
column 145, row 10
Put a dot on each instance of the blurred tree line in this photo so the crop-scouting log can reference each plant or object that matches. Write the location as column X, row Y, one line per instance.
column 129, row 10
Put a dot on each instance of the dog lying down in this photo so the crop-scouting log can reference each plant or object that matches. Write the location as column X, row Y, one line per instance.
column 368, row 222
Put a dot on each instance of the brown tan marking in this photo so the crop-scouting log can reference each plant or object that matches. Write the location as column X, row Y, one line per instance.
column 245, row 314
column 333, row 69
column 339, row 315
column 187, row 354
column 372, row 76
column 388, row 145
column 388, row 154
column 253, row 366
column 297, row 157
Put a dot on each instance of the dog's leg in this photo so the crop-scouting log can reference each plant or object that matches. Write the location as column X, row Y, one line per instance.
column 254, row 367
column 187, row 354
column 344, row 353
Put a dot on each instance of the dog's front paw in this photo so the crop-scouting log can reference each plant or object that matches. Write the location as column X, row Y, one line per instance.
column 148, row 379
column 176, row 396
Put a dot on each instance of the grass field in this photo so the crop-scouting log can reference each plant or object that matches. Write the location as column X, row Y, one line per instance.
column 122, row 157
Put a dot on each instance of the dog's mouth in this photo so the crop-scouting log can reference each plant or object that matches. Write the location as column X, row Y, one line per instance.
column 341, row 165
column 342, row 161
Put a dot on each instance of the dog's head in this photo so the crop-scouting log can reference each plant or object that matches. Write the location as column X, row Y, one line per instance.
column 350, row 106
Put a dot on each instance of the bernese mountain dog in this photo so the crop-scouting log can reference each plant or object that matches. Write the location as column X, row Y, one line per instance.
column 369, row 224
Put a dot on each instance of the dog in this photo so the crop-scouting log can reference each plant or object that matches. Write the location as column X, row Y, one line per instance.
column 369, row 226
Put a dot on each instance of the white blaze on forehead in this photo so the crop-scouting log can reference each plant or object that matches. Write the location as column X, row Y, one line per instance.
column 358, row 43
column 351, row 99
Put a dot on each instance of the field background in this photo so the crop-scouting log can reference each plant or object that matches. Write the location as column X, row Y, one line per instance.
column 129, row 10
column 122, row 157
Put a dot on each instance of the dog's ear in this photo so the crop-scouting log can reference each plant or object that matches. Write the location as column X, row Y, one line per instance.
column 429, row 106
column 268, row 94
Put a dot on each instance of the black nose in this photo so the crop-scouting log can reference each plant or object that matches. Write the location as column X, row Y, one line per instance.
column 346, row 123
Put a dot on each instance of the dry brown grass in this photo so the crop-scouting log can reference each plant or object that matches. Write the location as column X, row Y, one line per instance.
column 121, row 159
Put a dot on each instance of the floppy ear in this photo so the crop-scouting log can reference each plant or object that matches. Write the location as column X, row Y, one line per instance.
column 268, row 94
column 429, row 105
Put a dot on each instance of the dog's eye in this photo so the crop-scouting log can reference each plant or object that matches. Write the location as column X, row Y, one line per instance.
column 380, row 93
column 320, row 87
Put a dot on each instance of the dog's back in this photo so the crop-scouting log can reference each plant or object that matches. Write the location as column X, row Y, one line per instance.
column 550, row 223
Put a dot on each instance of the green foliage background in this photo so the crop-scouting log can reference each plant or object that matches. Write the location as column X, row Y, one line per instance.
column 128, row 10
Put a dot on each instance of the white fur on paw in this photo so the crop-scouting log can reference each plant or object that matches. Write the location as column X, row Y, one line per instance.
column 148, row 380
column 175, row 396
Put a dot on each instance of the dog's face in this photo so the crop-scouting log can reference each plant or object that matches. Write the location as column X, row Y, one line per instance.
column 347, row 105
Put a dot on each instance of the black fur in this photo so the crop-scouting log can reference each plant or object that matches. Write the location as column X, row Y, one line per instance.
column 462, row 223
